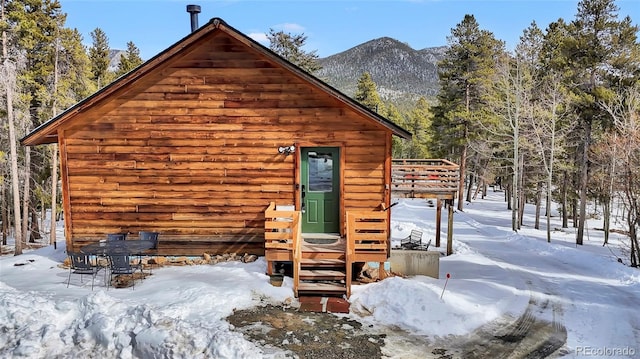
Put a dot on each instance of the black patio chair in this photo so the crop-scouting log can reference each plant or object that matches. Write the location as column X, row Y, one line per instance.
column 413, row 241
column 116, row 236
column 121, row 265
column 153, row 237
column 80, row 263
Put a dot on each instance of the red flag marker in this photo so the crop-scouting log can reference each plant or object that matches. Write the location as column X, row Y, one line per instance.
column 445, row 285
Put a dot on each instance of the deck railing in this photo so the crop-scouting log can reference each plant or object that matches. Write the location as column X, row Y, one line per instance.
column 367, row 240
column 412, row 177
column 296, row 227
column 283, row 239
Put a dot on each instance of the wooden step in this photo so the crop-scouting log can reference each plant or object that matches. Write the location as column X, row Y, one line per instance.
column 322, row 248
column 323, row 255
column 310, row 262
column 309, row 288
column 322, row 274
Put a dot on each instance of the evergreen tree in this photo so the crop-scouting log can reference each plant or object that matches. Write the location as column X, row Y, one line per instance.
column 52, row 74
column 75, row 70
column 99, row 56
column 398, row 144
column 367, row 94
column 466, row 76
column 130, row 60
column 290, row 47
column 37, row 24
column 599, row 54
column 419, row 123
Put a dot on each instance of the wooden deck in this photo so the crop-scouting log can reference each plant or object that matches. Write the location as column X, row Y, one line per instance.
column 428, row 178
column 424, row 178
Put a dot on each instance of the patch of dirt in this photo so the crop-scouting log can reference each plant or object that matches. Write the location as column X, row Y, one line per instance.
column 307, row 335
column 322, row 335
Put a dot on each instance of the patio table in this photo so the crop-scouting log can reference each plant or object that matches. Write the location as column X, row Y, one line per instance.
column 113, row 248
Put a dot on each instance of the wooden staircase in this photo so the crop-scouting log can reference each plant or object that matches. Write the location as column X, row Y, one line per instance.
column 324, row 270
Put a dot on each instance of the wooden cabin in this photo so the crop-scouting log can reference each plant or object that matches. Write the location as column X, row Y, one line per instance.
column 198, row 142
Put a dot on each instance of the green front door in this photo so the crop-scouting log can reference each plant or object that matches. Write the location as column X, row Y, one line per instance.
column 320, row 180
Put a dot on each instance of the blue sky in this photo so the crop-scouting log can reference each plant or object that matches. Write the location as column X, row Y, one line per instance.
column 331, row 26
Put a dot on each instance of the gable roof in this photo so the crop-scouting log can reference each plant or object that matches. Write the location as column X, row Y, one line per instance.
column 47, row 132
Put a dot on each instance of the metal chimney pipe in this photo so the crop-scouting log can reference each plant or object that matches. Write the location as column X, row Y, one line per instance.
column 194, row 10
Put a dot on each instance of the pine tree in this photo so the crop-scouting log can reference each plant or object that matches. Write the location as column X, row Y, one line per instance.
column 50, row 77
column 290, row 46
column 398, row 144
column 35, row 26
column 99, row 56
column 598, row 55
column 465, row 76
column 130, row 60
column 419, row 124
column 367, row 94
column 75, row 70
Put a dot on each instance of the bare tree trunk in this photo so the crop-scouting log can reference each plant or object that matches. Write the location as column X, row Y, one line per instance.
column 485, row 187
column 9, row 76
column 472, row 180
column 478, row 188
column 538, row 205
column 515, row 191
column 584, row 178
column 606, row 220
column 633, row 235
column 54, row 155
column 26, row 193
column 465, row 145
column 54, row 195
column 607, row 205
column 522, row 201
column 43, row 213
column 14, row 174
column 574, row 209
column 35, row 227
column 463, row 161
column 565, row 185
column 5, row 217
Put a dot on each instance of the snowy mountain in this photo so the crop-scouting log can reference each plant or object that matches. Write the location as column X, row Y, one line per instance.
column 400, row 72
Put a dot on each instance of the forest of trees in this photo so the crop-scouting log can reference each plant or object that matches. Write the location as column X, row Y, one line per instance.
column 557, row 119
column 45, row 68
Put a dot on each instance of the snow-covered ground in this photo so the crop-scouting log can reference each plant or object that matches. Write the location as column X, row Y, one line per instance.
column 179, row 312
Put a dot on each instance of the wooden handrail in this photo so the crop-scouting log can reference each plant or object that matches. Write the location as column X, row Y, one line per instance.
column 297, row 250
column 367, row 239
column 278, row 232
column 283, row 231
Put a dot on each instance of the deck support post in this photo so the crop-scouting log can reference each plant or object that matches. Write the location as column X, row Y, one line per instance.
column 450, row 228
column 438, row 220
